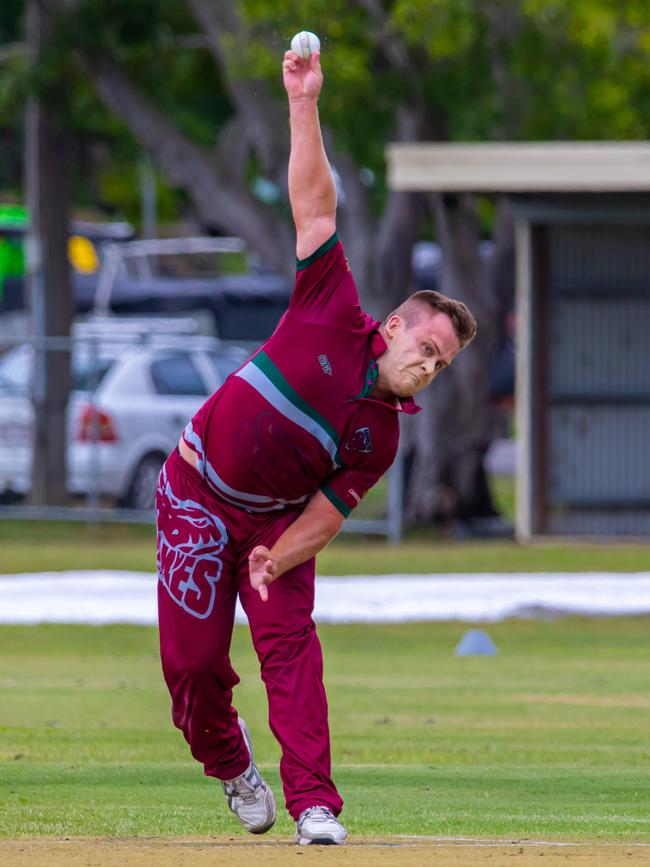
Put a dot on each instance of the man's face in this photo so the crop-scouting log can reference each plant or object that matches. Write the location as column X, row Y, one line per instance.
column 415, row 355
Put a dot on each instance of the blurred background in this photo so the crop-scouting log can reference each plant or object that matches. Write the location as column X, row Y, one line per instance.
column 146, row 243
column 495, row 150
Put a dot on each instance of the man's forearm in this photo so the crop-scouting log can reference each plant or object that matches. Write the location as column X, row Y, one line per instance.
column 311, row 186
column 308, row 535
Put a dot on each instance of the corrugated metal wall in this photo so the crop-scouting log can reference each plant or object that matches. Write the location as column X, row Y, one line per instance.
column 598, row 375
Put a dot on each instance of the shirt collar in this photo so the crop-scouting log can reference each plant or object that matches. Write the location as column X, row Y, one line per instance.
column 407, row 405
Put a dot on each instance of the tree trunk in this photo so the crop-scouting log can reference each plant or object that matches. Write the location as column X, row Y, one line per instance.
column 391, row 274
column 222, row 200
column 448, row 440
column 50, row 289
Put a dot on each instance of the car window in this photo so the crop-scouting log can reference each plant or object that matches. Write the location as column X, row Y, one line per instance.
column 176, row 374
column 88, row 374
column 224, row 364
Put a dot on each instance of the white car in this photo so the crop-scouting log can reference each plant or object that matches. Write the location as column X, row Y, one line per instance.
column 126, row 412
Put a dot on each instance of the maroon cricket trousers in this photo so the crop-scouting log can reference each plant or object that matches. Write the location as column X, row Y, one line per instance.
column 203, row 545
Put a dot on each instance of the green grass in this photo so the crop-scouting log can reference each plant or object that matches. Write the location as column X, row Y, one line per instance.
column 550, row 738
column 52, row 546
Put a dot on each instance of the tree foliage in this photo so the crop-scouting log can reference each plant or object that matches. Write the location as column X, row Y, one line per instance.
column 494, row 69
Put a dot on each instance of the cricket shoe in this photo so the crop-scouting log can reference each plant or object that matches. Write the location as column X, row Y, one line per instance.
column 248, row 796
column 318, row 825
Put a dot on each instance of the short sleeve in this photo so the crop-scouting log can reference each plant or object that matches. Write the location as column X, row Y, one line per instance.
column 325, row 291
column 346, row 487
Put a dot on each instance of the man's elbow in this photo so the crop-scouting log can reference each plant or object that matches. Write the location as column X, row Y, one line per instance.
column 337, row 523
column 325, row 513
column 308, row 218
column 332, row 524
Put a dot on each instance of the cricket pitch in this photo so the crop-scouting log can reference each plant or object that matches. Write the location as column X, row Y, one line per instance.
column 360, row 852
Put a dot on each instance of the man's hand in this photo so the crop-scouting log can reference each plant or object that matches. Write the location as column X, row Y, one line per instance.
column 302, row 78
column 263, row 569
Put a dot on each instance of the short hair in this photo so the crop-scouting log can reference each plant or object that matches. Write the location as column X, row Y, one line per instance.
column 460, row 315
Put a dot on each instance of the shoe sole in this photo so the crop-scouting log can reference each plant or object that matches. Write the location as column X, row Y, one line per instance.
column 273, row 818
column 319, row 841
column 263, row 830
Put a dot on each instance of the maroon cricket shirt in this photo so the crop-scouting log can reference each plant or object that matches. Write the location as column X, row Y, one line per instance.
column 297, row 416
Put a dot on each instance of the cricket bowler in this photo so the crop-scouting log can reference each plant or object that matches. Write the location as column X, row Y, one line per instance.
column 263, row 478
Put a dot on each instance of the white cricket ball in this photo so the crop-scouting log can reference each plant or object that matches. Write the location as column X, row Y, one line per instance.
column 305, row 44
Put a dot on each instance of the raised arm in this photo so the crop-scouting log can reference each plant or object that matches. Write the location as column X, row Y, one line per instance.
column 312, row 192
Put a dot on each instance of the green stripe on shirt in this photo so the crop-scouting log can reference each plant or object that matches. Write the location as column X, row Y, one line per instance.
column 263, row 375
column 336, row 501
column 264, row 363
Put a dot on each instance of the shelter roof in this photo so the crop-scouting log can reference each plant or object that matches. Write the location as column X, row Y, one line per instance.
column 521, row 167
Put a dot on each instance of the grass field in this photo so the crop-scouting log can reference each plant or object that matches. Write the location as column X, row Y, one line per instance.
column 37, row 546
column 549, row 738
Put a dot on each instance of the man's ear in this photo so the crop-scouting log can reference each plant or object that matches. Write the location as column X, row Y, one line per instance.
column 392, row 325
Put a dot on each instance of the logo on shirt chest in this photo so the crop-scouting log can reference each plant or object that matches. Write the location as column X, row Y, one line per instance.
column 360, row 441
column 324, row 362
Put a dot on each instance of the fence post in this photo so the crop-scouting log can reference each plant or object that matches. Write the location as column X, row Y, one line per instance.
column 395, row 502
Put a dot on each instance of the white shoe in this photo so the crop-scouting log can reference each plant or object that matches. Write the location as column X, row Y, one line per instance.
column 248, row 796
column 319, row 825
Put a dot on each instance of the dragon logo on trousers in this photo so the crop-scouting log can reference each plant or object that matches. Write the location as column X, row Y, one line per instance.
column 189, row 542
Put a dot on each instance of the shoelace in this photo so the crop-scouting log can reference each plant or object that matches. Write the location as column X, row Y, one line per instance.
column 318, row 814
column 243, row 787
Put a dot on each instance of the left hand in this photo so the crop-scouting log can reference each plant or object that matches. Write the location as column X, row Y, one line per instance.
column 263, row 569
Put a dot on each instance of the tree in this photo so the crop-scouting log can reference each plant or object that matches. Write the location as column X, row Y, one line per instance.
column 403, row 70
column 12, row 53
column 50, row 291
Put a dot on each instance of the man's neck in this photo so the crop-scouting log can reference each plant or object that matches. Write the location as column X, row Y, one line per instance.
column 379, row 391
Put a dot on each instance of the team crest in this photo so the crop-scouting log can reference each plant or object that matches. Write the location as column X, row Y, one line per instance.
column 324, row 362
column 360, row 441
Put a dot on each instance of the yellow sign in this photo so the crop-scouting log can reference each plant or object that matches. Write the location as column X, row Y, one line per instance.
column 82, row 255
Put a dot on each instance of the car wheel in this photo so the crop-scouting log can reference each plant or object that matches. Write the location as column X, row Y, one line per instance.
column 142, row 490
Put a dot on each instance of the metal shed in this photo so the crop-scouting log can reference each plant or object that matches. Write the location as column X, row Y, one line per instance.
column 583, row 302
